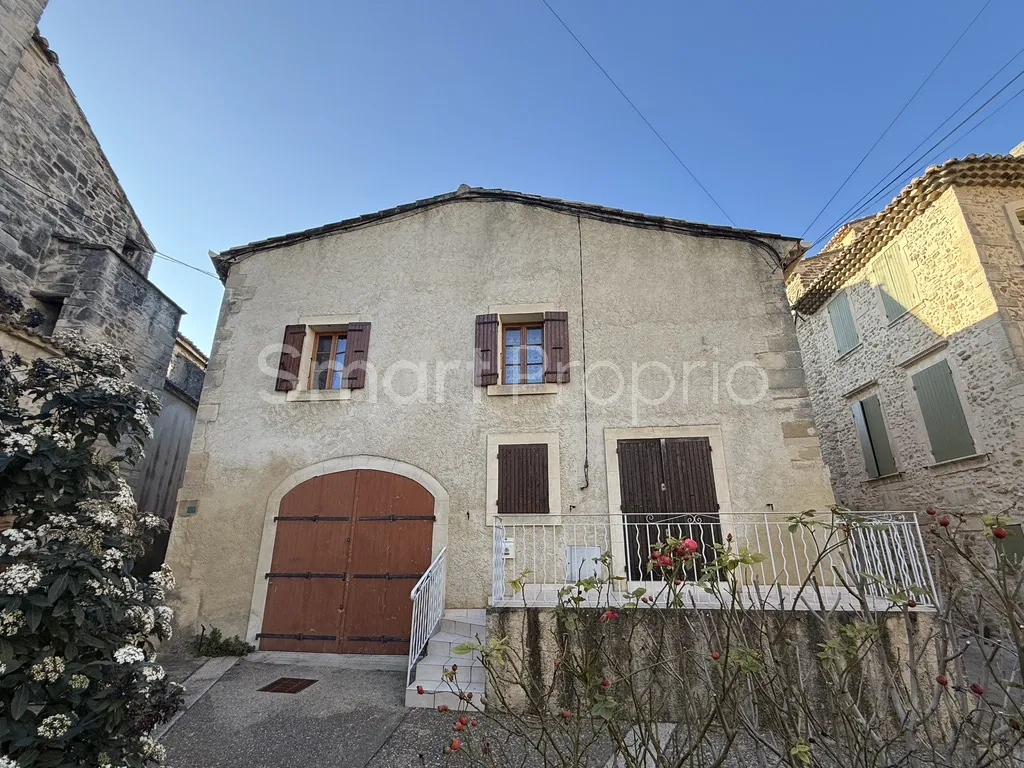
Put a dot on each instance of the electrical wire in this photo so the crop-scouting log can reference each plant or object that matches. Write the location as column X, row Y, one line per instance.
column 914, row 163
column 944, row 152
column 85, row 215
column 893, row 121
column 848, row 215
column 640, row 114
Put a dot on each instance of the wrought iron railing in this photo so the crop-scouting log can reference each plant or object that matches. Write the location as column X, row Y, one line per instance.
column 881, row 551
column 427, row 609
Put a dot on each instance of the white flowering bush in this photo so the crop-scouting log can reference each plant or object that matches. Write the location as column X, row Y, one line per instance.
column 78, row 686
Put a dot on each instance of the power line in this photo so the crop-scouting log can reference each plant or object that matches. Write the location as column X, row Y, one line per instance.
column 186, row 264
column 638, row 112
column 893, row 121
column 888, row 183
column 85, row 215
column 944, row 151
column 849, row 213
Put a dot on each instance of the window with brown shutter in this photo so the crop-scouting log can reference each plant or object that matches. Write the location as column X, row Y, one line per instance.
column 486, row 350
column 291, row 356
column 523, row 479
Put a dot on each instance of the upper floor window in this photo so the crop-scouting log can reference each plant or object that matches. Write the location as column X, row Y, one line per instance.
column 329, row 360
column 523, row 354
column 523, row 479
column 328, row 357
column 843, row 327
column 518, row 349
column 943, row 415
column 1020, row 217
column 895, row 282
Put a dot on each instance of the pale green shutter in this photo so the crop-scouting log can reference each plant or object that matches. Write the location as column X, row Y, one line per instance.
column 843, row 327
column 943, row 415
column 879, row 437
column 895, row 281
column 865, row 440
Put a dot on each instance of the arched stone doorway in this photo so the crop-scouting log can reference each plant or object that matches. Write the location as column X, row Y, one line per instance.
column 347, row 548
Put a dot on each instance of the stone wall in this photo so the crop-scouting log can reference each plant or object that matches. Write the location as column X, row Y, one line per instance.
column 71, row 245
column 711, row 312
column 960, row 317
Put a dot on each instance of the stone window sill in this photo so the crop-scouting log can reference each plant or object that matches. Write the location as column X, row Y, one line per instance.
column 961, row 464
column 500, row 390
column 318, row 395
column 881, row 479
column 848, row 352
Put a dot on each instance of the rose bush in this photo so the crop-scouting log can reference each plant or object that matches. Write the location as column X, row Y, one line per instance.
column 78, row 685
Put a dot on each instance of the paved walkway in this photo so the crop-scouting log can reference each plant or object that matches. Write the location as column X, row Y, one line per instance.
column 349, row 717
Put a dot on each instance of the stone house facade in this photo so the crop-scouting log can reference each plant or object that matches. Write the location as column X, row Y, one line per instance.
column 71, row 245
column 448, row 378
column 911, row 325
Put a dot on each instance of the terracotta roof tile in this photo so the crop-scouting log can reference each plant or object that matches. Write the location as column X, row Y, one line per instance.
column 845, row 261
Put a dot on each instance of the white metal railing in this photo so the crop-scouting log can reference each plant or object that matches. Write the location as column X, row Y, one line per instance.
column 884, row 550
column 427, row 609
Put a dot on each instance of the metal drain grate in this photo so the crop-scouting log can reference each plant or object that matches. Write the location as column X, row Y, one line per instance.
column 287, row 685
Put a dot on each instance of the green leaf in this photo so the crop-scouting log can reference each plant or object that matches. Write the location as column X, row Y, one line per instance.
column 20, row 702
column 58, row 587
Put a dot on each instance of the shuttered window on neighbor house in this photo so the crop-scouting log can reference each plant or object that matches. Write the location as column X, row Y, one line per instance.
column 339, row 358
column 874, row 440
column 843, row 327
column 943, row 414
column 895, row 281
column 523, row 479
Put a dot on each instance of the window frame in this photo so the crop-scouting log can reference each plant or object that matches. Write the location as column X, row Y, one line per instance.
column 1015, row 215
column 884, row 260
column 313, row 373
column 523, row 326
column 554, row 513
column 924, row 363
column 858, row 403
column 853, row 322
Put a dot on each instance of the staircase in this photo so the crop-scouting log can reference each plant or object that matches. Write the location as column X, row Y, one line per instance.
column 458, row 626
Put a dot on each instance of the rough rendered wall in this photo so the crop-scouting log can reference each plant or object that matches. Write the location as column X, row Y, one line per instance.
column 958, row 309
column 420, row 280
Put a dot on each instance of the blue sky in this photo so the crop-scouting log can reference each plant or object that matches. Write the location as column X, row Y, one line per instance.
column 232, row 120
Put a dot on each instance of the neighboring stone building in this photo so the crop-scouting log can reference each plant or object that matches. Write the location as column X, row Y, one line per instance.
column 513, row 381
column 71, row 245
column 163, row 469
column 911, row 325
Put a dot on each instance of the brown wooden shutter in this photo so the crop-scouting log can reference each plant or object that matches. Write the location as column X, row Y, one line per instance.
column 487, row 348
column 523, row 479
column 291, row 356
column 556, row 347
column 641, row 485
column 689, row 477
column 356, row 354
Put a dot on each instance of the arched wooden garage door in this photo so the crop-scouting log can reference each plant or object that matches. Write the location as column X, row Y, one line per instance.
column 349, row 548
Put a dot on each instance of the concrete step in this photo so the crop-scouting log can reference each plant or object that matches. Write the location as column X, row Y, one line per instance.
column 467, row 628
column 434, row 667
column 474, row 615
column 438, row 692
column 445, row 643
